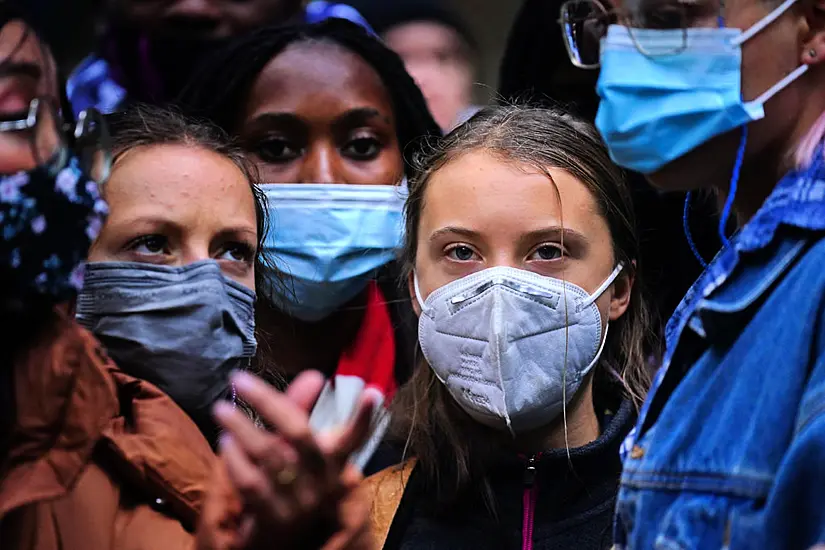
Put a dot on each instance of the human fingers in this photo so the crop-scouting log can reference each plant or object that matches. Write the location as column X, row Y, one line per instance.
column 249, row 481
column 351, row 515
column 339, row 446
column 305, row 389
column 255, row 442
column 283, row 416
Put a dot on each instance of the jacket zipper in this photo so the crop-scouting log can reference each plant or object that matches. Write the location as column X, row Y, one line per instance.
column 531, row 492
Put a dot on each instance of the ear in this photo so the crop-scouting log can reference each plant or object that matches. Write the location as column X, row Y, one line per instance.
column 413, row 298
column 813, row 42
column 620, row 297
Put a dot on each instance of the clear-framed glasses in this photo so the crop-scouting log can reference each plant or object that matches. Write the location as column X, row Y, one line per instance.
column 584, row 24
column 43, row 139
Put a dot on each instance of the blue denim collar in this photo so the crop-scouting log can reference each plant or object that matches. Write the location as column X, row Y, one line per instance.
column 798, row 200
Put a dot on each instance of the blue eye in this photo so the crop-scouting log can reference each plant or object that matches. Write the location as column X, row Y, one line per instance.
column 547, row 252
column 461, row 253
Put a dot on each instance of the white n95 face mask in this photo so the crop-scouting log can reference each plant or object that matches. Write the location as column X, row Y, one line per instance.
column 506, row 347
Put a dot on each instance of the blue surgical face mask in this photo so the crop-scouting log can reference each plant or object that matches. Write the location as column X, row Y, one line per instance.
column 328, row 241
column 655, row 108
column 184, row 329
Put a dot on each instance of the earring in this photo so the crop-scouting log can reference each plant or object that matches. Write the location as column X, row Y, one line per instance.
column 812, row 53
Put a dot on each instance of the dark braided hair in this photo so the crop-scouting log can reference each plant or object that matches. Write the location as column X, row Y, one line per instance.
column 218, row 92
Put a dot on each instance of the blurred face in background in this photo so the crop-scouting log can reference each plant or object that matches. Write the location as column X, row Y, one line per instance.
column 206, row 19
column 438, row 58
column 27, row 72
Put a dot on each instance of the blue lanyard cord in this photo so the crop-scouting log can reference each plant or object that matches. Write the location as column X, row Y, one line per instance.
column 734, row 184
column 686, row 227
column 723, row 219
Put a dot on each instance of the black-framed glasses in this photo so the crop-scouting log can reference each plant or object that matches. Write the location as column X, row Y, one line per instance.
column 584, row 24
column 43, row 139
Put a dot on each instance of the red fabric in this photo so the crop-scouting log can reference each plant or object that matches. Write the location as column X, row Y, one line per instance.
column 371, row 357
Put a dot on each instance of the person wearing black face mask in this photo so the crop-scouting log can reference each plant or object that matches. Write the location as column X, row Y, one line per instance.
column 50, row 206
column 150, row 50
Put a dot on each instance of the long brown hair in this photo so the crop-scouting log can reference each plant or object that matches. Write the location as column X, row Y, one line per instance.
column 453, row 450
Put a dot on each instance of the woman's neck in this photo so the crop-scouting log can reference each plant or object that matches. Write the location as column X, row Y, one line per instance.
column 763, row 169
column 293, row 346
column 757, row 180
column 582, row 426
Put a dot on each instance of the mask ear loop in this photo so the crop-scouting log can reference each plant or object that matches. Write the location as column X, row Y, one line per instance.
column 604, row 286
column 418, row 292
column 770, row 18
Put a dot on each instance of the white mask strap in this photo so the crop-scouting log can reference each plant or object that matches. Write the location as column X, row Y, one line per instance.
column 604, row 286
column 601, row 349
column 781, row 85
column 770, row 18
column 418, row 291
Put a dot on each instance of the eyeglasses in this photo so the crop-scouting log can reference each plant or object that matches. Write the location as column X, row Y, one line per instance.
column 43, row 139
column 585, row 22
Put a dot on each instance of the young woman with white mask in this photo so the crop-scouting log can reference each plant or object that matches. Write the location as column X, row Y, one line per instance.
column 521, row 253
column 726, row 96
column 332, row 120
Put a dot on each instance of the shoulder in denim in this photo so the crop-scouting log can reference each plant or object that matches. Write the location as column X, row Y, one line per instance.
column 730, row 441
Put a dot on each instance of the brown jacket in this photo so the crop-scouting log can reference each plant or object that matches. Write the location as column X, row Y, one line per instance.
column 384, row 490
column 99, row 460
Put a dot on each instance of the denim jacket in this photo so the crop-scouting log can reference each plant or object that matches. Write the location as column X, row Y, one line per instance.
column 729, row 449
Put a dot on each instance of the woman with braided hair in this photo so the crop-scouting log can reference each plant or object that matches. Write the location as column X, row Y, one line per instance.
column 333, row 121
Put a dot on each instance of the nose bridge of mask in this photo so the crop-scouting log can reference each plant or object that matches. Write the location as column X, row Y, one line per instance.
column 356, row 202
column 523, row 281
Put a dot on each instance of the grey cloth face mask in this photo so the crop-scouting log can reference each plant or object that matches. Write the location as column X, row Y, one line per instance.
column 184, row 329
column 511, row 346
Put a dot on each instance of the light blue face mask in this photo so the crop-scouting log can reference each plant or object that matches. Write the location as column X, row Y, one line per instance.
column 655, row 108
column 328, row 241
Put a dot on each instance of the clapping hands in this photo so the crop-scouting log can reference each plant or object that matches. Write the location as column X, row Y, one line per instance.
column 293, row 488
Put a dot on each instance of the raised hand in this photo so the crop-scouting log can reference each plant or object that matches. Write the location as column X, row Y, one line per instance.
column 291, row 481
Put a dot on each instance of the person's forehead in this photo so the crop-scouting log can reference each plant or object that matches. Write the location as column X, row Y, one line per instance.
column 305, row 71
column 648, row 5
column 26, row 63
column 21, row 41
column 144, row 9
column 188, row 179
